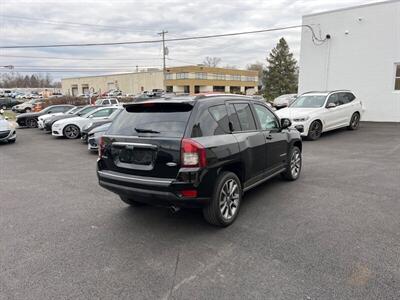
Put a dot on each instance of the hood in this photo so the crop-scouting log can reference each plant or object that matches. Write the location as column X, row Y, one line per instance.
column 48, row 116
column 60, row 117
column 4, row 125
column 102, row 128
column 62, row 121
column 294, row 112
column 29, row 115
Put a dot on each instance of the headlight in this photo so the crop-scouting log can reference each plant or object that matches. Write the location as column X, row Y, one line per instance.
column 87, row 126
column 56, row 125
column 301, row 119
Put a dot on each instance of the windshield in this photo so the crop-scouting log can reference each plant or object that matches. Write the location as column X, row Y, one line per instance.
column 85, row 110
column 31, row 101
column 309, row 101
column 159, row 120
column 72, row 110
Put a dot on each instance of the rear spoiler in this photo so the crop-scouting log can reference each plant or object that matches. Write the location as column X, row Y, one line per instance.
column 159, row 106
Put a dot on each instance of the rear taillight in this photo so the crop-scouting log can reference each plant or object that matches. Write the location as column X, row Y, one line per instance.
column 189, row 193
column 101, row 146
column 193, row 154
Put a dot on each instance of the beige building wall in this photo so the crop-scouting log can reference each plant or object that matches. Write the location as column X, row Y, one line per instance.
column 128, row 83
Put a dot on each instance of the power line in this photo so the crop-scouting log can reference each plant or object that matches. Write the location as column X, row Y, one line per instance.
column 74, row 24
column 167, row 40
column 82, row 58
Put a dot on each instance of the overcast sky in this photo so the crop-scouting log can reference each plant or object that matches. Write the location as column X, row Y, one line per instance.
column 58, row 22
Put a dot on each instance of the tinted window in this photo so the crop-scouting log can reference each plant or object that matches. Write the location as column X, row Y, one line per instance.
column 233, row 118
column 103, row 113
column 59, row 109
column 347, row 97
column 86, row 110
column 267, row 118
column 309, row 101
column 105, row 102
column 213, row 121
column 334, row 98
column 245, row 116
column 113, row 101
column 162, row 120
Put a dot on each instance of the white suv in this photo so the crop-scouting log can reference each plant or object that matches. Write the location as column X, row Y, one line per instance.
column 316, row 112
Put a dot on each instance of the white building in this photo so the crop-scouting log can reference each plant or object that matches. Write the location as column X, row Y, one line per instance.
column 362, row 55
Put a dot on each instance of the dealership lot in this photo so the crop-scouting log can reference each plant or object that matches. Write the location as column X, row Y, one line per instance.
column 334, row 233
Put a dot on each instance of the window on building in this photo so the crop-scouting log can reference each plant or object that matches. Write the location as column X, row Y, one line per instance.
column 217, row 88
column 183, row 75
column 397, row 78
column 219, row 76
column 201, row 75
column 235, row 77
column 168, row 76
column 249, row 78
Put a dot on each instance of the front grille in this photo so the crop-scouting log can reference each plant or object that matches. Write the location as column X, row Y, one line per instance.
column 55, row 132
column 93, row 143
column 4, row 134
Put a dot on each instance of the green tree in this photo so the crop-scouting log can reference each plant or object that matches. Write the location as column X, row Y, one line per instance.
column 281, row 75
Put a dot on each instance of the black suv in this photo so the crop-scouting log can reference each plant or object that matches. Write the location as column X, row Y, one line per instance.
column 203, row 151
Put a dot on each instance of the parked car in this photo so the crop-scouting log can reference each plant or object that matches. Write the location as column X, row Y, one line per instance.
column 5, row 93
column 284, row 100
column 71, row 128
column 26, row 106
column 7, row 103
column 42, row 119
column 316, row 112
column 107, row 102
column 96, row 123
column 95, row 134
column 7, row 131
column 30, row 119
column 78, row 113
column 202, row 152
column 114, row 93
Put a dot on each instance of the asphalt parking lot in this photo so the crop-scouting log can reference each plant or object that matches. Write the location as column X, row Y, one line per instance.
column 333, row 234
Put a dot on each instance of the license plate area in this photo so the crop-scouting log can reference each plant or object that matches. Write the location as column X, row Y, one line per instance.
column 134, row 155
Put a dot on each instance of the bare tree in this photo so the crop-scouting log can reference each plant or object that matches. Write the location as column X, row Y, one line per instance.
column 259, row 67
column 212, row 61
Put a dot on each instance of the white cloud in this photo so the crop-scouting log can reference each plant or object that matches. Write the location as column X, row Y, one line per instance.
column 139, row 20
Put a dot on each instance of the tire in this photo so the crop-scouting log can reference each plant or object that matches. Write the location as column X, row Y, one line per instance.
column 293, row 165
column 219, row 211
column 354, row 121
column 31, row 123
column 71, row 132
column 27, row 110
column 4, row 107
column 131, row 202
column 315, row 130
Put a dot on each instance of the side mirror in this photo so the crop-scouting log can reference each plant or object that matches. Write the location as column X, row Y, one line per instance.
column 331, row 105
column 91, row 116
column 285, row 123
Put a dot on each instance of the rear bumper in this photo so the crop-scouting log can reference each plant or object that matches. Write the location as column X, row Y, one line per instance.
column 154, row 191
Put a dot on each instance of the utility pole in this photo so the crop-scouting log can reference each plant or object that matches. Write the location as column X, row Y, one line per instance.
column 162, row 33
column 164, row 50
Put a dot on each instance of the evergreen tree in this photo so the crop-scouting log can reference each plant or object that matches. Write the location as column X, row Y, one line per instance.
column 281, row 73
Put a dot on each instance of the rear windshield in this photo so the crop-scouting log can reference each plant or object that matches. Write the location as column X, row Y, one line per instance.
column 166, row 120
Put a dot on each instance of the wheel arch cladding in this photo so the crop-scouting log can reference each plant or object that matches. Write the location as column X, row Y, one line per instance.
column 236, row 168
column 298, row 144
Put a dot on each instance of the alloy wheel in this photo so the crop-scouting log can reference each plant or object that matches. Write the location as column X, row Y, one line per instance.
column 71, row 132
column 295, row 163
column 31, row 123
column 315, row 130
column 229, row 199
column 355, row 121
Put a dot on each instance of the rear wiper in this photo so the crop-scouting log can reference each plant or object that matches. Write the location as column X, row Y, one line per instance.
column 143, row 130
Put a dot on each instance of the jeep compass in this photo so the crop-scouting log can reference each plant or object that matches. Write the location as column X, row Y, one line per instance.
column 199, row 152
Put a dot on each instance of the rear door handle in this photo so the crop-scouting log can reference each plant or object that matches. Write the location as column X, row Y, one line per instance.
column 268, row 137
